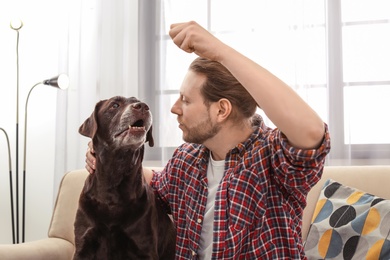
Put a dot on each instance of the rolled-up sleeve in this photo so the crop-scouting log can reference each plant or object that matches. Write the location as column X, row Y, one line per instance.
column 298, row 169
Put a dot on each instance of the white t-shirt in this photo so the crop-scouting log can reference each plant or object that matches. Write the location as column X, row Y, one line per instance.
column 215, row 170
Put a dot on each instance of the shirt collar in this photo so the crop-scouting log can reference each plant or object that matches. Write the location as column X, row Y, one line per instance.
column 259, row 129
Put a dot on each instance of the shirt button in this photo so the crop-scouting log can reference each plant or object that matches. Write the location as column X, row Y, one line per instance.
column 199, row 220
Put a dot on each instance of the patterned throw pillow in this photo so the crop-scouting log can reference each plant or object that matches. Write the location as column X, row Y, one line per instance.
column 349, row 224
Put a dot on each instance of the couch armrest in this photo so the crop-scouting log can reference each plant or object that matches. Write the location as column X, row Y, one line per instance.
column 48, row 249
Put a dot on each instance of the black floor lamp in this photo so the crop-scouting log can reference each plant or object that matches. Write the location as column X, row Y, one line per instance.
column 17, row 25
column 61, row 82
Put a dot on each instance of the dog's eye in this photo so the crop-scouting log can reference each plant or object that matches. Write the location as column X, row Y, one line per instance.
column 115, row 105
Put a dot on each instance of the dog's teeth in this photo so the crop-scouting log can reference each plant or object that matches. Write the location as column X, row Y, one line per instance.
column 136, row 127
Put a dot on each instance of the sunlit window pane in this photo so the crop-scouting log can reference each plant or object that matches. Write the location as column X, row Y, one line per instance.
column 317, row 98
column 233, row 15
column 300, row 62
column 362, row 10
column 170, row 134
column 365, row 111
column 173, row 66
column 176, row 11
column 237, row 16
column 366, row 52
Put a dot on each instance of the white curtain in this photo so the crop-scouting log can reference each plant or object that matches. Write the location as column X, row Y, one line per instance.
column 100, row 54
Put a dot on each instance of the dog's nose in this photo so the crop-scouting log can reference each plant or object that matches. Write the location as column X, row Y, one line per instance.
column 140, row 106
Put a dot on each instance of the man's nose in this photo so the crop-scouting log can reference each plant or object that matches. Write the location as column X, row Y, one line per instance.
column 175, row 109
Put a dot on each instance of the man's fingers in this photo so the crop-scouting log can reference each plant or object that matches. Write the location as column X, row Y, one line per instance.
column 90, row 147
column 181, row 36
column 90, row 158
column 90, row 163
column 175, row 29
column 89, row 169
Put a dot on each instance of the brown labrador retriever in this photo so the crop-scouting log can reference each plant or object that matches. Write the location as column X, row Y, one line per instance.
column 119, row 216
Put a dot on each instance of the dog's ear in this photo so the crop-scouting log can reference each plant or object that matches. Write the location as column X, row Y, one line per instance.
column 89, row 127
column 149, row 137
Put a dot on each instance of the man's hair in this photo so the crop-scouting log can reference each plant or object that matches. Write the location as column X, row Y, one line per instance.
column 220, row 83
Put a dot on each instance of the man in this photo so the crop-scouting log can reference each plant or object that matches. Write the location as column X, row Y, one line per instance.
column 237, row 189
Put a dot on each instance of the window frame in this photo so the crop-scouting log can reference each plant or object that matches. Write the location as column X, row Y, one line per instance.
column 340, row 150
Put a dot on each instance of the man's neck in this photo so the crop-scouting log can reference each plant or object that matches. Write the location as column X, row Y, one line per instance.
column 228, row 138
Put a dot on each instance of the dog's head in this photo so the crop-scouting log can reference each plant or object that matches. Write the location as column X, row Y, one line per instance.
column 120, row 122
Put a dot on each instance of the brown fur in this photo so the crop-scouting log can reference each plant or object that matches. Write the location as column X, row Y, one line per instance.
column 118, row 215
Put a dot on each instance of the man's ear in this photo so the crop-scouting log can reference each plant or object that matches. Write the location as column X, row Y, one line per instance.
column 224, row 109
column 149, row 137
column 90, row 125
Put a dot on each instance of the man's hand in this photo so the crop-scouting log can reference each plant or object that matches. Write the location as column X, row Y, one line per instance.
column 90, row 158
column 191, row 37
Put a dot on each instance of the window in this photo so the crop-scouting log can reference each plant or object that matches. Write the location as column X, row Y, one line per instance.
column 366, row 70
column 362, row 33
column 333, row 53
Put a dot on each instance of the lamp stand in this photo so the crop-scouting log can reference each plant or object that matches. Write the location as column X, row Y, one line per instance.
column 24, row 163
column 17, row 138
column 10, row 186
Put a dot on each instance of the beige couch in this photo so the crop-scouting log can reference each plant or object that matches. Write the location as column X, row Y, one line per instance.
column 60, row 241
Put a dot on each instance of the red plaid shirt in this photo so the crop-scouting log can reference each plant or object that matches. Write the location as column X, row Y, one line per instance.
column 259, row 202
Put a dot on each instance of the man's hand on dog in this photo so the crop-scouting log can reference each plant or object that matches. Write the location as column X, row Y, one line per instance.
column 90, row 159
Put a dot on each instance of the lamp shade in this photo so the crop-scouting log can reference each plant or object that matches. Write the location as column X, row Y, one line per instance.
column 16, row 24
column 61, row 81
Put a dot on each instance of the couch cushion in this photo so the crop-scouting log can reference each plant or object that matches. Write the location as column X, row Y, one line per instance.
column 64, row 214
column 349, row 224
column 373, row 179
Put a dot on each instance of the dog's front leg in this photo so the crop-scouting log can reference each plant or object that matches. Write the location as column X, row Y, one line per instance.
column 88, row 246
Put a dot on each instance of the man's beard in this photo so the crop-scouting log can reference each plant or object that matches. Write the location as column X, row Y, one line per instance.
column 202, row 132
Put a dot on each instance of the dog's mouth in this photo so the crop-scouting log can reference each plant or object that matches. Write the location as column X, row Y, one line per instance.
column 137, row 126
